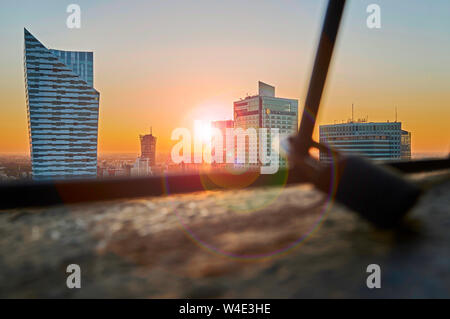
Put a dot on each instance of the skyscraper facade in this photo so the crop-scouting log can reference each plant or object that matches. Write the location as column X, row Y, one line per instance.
column 379, row 141
column 266, row 111
column 148, row 148
column 406, row 145
column 62, row 109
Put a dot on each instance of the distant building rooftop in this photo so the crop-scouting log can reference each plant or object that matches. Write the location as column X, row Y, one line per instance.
column 375, row 140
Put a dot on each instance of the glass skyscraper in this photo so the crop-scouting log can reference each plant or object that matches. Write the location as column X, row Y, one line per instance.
column 62, row 109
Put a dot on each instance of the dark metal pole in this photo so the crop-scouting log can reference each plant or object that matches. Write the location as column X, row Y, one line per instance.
column 377, row 194
column 319, row 74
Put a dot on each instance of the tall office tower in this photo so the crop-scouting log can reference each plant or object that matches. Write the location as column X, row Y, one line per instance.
column 266, row 111
column 62, row 109
column 148, row 148
column 405, row 145
column 222, row 126
column 378, row 141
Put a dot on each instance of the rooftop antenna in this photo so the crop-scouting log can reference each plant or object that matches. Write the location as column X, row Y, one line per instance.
column 151, row 130
column 352, row 112
column 395, row 114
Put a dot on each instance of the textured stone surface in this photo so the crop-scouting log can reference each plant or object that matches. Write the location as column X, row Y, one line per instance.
column 142, row 248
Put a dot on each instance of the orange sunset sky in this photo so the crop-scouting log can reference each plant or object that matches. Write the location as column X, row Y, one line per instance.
column 167, row 63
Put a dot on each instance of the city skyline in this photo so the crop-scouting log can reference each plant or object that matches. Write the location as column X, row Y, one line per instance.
column 172, row 77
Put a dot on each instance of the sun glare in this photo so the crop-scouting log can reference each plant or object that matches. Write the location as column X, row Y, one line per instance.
column 203, row 130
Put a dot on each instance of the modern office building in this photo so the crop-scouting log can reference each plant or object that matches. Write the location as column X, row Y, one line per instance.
column 405, row 145
column 148, row 148
column 62, row 109
column 266, row 111
column 378, row 141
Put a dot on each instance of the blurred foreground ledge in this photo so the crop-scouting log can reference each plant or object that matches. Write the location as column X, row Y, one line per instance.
column 207, row 245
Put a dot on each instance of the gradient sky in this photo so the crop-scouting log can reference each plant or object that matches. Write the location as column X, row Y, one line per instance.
column 166, row 63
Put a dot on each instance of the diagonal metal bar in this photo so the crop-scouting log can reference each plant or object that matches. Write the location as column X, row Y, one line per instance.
column 319, row 74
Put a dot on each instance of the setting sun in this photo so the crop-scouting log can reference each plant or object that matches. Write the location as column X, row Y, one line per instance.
column 202, row 130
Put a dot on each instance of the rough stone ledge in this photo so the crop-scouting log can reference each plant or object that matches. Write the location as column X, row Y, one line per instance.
column 207, row 245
